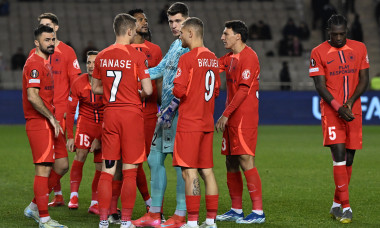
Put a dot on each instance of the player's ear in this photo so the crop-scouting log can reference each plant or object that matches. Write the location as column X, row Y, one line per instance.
column 56, row 27
column 36, row 43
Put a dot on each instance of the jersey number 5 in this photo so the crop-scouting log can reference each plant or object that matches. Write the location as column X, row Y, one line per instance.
column 117, row 74
column 332, row 134
column 210, row 84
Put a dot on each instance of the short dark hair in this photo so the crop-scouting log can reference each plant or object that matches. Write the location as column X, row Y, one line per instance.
column 122, row 23
column 134, row 11
column 336, row 19
column 238, row 27
column 50, row 16
column 178, row 7
column 92, row 52
column 41, row 29
column 195, row 23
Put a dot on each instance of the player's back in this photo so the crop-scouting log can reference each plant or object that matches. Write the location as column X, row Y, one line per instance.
column 119, row 67
column 198, row 70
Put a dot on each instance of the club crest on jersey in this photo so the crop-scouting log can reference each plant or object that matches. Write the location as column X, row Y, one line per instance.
column 34, row 74
column 76, row 64
column 351, row 57
column 178, row 73
column 312, row 62
column 57, row 59
column 246, row 74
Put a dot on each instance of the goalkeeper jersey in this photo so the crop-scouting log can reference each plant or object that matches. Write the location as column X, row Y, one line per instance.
column 167, row 69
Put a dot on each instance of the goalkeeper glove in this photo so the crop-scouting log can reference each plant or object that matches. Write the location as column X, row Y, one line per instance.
column 165, row 117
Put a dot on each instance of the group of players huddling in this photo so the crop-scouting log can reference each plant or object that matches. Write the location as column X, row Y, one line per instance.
column 119, row 120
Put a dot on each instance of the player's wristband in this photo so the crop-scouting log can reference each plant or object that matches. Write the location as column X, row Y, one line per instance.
column 335, row 104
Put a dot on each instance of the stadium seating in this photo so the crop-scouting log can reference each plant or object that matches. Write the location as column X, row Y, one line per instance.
column 81, row 21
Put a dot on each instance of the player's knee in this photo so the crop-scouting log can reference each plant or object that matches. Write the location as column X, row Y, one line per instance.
column 81, row 155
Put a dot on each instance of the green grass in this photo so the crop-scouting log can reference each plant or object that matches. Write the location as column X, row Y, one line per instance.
column 296, row 174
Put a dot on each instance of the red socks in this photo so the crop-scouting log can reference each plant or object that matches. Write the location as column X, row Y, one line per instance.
column 128, row 193
column 116, row 189
column 41, row 195
column 235, row 187
column 76, row 175
column 211, row 206
column 141, row 182
column 254, row 188
column 341, row 184
column 54, row 181
column 336, row 194
column 94, row 186
column 192, row 205
column 105, row 194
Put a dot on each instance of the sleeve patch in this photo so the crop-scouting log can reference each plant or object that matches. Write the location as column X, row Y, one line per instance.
column 76, row 64
column 312, row 62
column 179, row 72
column 70, row 98
column 34, row 73
column 315, row 69
column 34, row 80
column 246, row 74
column 366, row 58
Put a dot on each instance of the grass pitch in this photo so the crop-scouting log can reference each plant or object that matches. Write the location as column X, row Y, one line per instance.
column 296, row 174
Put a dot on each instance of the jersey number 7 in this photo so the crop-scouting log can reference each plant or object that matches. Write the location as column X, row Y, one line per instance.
column 117, row 74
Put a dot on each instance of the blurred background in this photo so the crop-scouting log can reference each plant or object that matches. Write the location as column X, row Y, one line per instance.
column 282, row 32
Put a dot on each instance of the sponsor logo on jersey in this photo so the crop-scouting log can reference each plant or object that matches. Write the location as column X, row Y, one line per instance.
column 34, row 73
column 179, row 71
column 312, row 62
column 246, row 74
column 76, row 64
column 328, row 62
column 315, row 69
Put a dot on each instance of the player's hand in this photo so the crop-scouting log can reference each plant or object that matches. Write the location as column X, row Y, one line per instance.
column 346, row 113
column 57, row 127
column 221, row 123
column 70, row 145
column 349, row 104
column 95, row 145
column 165, row 117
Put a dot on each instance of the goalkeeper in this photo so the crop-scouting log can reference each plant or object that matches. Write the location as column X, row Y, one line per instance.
column 163, row 138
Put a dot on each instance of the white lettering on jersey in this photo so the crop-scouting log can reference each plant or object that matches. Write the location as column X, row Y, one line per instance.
column 116, row 63
column 208, row 63
column 315, row 69
column 34, row 80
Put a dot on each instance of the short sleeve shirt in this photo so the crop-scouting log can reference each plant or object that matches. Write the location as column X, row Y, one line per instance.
column 119, row 67
column 341, row 67
column 198, row 72
column 37, row 74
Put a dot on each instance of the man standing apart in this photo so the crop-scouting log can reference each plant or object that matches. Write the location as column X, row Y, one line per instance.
column 65, row 69
column 41, row 125
column 117, row 71
column 154, row 56
column 88, row 132
column 196, row 85
column 163, row 139
column 239, row 122
column 340, row 69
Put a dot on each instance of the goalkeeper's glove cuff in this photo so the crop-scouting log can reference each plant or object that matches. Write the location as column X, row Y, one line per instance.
column 174, row 104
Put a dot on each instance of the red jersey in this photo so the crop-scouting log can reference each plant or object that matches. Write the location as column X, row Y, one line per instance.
column 197, row 84
column 242, row 69
column 65, row 69
column 37, row 74
column 91, row 106
column 154, row 55
column 341, row 67
column 119, row 67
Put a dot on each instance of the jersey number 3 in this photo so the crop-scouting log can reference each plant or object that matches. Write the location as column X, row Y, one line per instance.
column 116, row 74
column 210, row 85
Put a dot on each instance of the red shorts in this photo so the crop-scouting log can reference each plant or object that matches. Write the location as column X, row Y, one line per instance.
column 239, row 141
column 149, row 126
column 193, row 150
column 123, row 136
column 85, row 133
column 336, row 131
column 41, row 140
column 60, row 142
